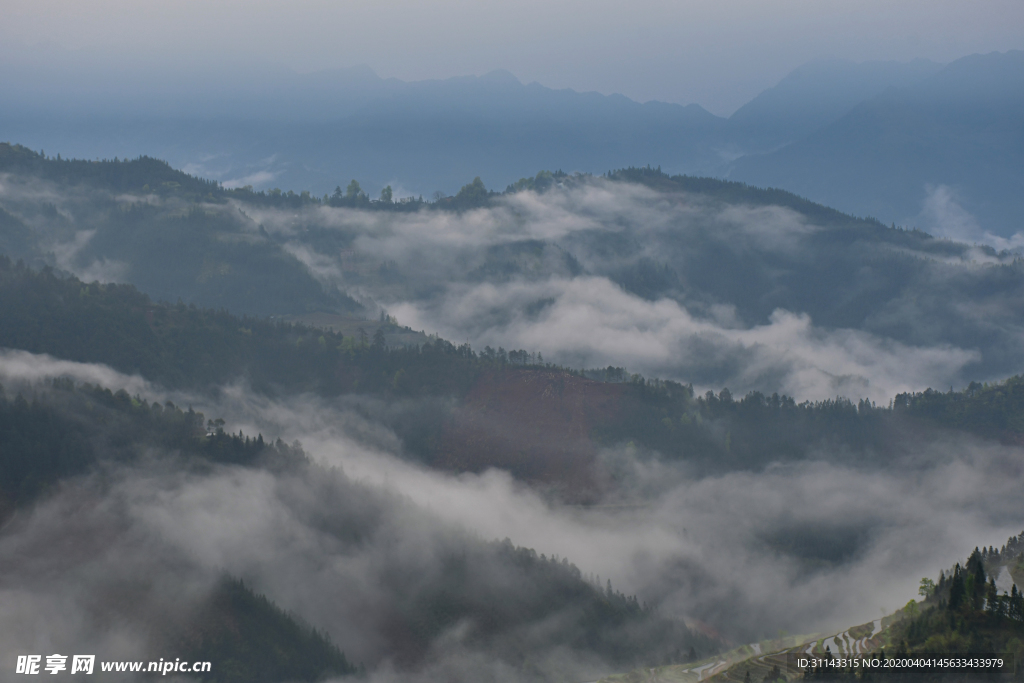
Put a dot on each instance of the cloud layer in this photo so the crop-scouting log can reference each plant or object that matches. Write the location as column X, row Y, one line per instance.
column 714, row 290
column 678, row 286
column 818, row 545
column 943, row 216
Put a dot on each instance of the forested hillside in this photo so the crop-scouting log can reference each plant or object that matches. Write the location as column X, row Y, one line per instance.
column 965, row 612
column 974, row 610
column 907, row 133
column 541, row 422
column 60, row 436
column 314, row 375
column 684, row 278
column 710, row 393
column 144, row 222
column 253, row 641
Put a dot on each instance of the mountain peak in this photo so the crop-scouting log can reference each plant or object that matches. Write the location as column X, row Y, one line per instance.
column 500, row 76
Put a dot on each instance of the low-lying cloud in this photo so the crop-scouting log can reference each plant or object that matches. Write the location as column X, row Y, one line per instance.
column 818, row 545
column 684, row 286
column 258, row 179
column 943, row 216
column 67, row 255
column 592, row 322
column 677, row 286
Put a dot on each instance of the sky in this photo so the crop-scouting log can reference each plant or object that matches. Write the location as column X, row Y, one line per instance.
column 718, row 54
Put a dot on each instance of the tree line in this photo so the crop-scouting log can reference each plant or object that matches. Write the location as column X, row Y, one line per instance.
column 186, row 347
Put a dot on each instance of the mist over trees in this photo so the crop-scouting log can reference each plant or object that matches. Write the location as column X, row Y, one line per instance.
column 61, row 436
column 738, row 262
column 185, row 347
column 714, row 392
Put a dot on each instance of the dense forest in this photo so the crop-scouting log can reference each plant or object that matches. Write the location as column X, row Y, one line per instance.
column 68, row 430
column 218, row 277
column 62, row 431
column 186, row 347
column 146, row 174
column 696, row 247
column 53, row 433
column 253, row 641
column 961, row 614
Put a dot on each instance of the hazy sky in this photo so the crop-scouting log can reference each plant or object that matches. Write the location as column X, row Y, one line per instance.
column 717, row 53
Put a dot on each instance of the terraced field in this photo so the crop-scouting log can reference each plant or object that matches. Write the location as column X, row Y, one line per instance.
column 759, row 658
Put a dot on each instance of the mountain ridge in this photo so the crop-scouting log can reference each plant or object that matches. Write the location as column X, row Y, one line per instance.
column 317, row 129
column 960, row 128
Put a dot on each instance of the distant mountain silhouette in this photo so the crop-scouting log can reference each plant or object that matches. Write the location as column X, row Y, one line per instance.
column 962, row 127
column 872, row 139
column 814, row 95
column 315, row 131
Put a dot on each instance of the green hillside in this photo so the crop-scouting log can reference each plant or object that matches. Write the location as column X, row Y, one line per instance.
column 249, row 639
column 702, row 243
column 962, row 613
column 497, row 392
column 64, row 432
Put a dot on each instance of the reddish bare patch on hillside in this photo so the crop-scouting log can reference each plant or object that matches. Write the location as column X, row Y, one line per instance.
column 535, row 424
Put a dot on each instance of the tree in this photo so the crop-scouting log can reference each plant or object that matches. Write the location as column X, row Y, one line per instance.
column 385, row 195
column 992, row 597
column 975, row 579
column 956, row 589
column 976, row 566
column 353, row 192
column 473, row 194
column 378, row 339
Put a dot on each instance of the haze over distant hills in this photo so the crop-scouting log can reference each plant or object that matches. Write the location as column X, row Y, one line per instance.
column 920, row 143
column 815, row 95
column 908, row 152
column 507, row 343
column 677, row 416
column 688, row 279
column 395, row 561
